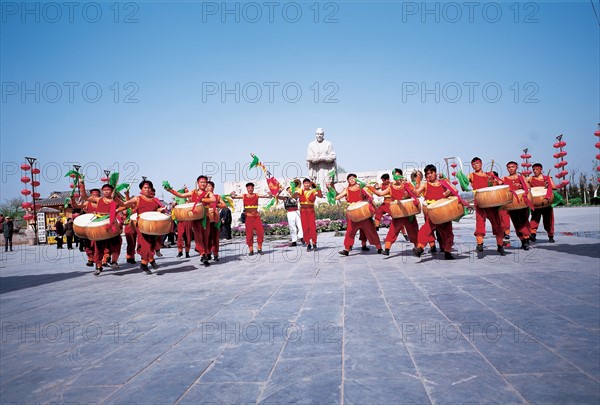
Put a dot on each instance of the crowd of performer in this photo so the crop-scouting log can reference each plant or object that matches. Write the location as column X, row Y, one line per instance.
column 403, row 194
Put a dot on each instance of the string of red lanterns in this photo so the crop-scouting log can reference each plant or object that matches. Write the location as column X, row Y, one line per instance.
column 25, row 179
column 597, row 133
column 525, row 164
column 561, row 163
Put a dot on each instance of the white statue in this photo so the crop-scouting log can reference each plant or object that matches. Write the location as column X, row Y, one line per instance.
column 320, row 158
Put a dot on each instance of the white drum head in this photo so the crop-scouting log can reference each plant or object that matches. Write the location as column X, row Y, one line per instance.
column 357, row 205
column 494, row 188
column 538, row 191
column 154, row 216
column 83, row 220
column 133, row 216
column 187, row 205
column 104, row 222
column 441, row 203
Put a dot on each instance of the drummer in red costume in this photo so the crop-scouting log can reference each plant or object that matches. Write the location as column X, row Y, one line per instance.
column 537, row 179
column 520, row 217
column 353, row 193
column 253, row 221
column 105, row 205
column 145, row 243
column 479, row 179
column 184, row 230
column 384, row 208
column 307, row 196
column 201, row 233
column 130, row 232
column 214, row 223
column 396, row 192
column 89, row 208
column 433, row 190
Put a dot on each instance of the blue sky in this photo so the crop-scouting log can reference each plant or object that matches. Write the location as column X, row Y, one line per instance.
column 390, row 82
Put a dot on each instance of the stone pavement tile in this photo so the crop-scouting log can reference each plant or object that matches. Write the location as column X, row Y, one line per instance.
column 557, row 332
column 404, row 389
column 304, row 381
column 245, row 362
column 463, row 378
column 365, row 359
column 34, row 385
column 222, row 393
column 510, row 351
column 586, row 358
column 66, row 394
column 316, row 340
column 581, row 314
column 160, row 383
column 203, row 343
column 556, row 388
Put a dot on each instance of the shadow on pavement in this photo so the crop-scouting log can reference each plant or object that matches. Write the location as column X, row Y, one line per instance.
column 15, row 283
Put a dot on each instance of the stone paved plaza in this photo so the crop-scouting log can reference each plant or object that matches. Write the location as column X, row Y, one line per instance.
column 293, row 327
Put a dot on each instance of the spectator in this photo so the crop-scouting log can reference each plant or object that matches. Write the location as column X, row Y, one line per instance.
column 60, row 231
column 7, row 230
column 225, row 216
column 69, row 233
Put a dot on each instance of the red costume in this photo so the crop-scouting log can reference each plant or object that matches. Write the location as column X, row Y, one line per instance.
column 434, row 193
column 146, row 243
column 307, row 215
column 520, row 218
column 130, row 237
column 112, row 245
column 200, row 232
column 253, row 221
column 384, row 208
column 481, row 214
column 546, row 212
column 184, row 235
column 90, row 245
column 366, row 226
column 213, row 229
column 412, row 227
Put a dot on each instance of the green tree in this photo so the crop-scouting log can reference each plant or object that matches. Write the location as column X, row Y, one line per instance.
column 12, row 208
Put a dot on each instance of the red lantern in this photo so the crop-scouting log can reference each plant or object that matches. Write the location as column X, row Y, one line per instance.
column 563, row 163
column 25, row 166
column 526, row 172
column 455, row 182
column 564, row 183
column 556, row 145
column 26, row 205
column 35, row 183
column 25, row 179
column 598, row 156
column 556, row 155
column 72, row 175
column 453, row 165
column 557, row 165
column 525, row 164
column 597, row 133
column 598, row 145
column 72, row 185
column 35, row 171
column 562, row 153
column 25, row 192
column 453, row 174
column 28, row 217
column 75, row 195
column 105, row 179
column 562, row 144
column 598, row 168
column 36, row 195
column 525, row 156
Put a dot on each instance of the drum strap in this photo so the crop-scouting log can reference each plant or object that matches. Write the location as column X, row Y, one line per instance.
column 411, row 193
column 549, row 189
column 448, row 187
column 526, row 192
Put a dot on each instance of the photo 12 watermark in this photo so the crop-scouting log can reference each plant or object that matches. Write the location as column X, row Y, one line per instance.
column 55, row 332
column 69, row 92
column 236, row 12
column 491, row 92
column 451, row 12
column 270, row 92
column 40, row 12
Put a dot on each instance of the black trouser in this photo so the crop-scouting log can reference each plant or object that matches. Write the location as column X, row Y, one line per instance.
column 70, row 241
column 7, row 242
column 59, row 242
